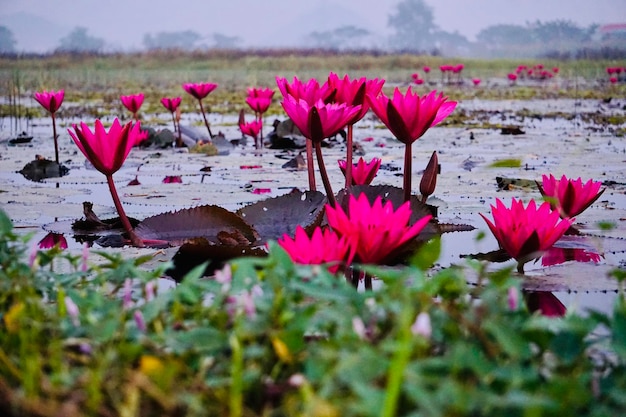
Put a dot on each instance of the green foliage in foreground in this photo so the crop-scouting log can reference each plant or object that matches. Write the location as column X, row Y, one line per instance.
column 308, row 345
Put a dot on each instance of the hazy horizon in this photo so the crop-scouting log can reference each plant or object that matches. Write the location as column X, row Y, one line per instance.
column 123, row 24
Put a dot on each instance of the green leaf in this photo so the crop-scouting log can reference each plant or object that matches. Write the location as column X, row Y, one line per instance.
column 5, row 223
column 427, row 255
column 506, row 163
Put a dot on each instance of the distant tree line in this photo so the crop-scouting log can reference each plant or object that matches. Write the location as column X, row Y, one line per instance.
column 413, row 31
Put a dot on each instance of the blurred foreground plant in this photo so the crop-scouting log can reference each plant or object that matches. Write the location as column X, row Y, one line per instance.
column 267, row 337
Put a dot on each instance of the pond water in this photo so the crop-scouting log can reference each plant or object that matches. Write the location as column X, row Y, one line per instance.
column 466, row 186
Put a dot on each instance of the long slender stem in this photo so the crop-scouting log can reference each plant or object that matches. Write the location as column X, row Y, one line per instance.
column 349, row 157
column 407, row 171
column 56, row 144
column 235, row 398
column 309, row 165
column 120, row 211
column 320, row 161
column 260, row 140
column 399, row 361
column 206, row 122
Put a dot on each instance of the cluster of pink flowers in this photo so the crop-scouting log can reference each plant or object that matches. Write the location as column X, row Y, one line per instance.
column 527, row 232
column 535, row 72
column 615, row 73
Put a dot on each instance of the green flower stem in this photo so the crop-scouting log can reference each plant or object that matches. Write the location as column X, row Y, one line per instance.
column 320, row 161
column 349, row 156
column 235, row 400
column 407, row 172
column 206, row 122
column 399, row 361
column 120, row 211
column 56, row 143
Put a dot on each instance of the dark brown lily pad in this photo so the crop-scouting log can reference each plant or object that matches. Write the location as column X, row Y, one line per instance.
column 209, row 222
column 274, row 217
column 42, row 168
column 196, row 251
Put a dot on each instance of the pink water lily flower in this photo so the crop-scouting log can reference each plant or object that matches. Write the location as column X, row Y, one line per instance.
column 317, row 122
column 50, row 100
column 310, row 91
column 376, row 231
column 133, row 103
column 569, row 197
column 362, row 172
column 323, row 247
column 260, row 92
column 199, row 90
column 408, row 116
column 171, row 104
column 354, row 92
column 107, row 151
column 53, row 239
column 258, row 104
column 259, row 99
column 545, row 303
column 251, row 129
column 526, row 232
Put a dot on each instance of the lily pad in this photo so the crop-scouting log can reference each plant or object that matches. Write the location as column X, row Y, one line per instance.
column 274, row 217
column 42, row 168
column 199, row 250
column 213, row 223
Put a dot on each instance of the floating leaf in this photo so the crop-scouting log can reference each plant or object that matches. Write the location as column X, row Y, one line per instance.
column 274, row 217
column 199, row 250
column 506, row 163
column 514, row 183
column 203, row 221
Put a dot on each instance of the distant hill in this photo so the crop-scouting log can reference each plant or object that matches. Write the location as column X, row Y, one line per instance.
column 33, row 33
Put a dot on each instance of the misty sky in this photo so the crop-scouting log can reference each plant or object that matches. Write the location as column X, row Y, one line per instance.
column 123, row 23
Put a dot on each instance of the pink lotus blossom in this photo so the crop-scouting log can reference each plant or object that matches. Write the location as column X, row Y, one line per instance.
column 526, row 232
column 199, row 90
column 311, row 91
column 409, row 116
column 476, row 81
column 318, row 121
column 544, row 302
column 426, row 69
column 323, row 247
column 107, row 151
column 251, row 128
column 569, row 197
column 354, row 92
column 362, row 172
column 52, row 240
column 50, row 100
column 376, row 232
column 171, row 104
column 132, row 102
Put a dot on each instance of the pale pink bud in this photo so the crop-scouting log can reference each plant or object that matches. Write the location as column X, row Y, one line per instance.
column 359, row 327
column 128, row 294
column 422, row 325
column 141, row 324
column 85, row 257
column 150, row 289
column 513, row 298
column 72, row 310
